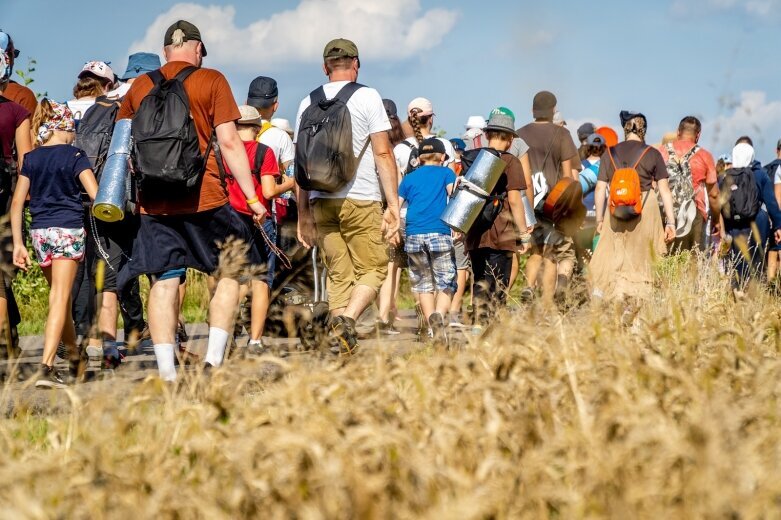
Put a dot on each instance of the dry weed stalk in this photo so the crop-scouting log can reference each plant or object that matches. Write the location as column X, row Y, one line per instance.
column 677, row 416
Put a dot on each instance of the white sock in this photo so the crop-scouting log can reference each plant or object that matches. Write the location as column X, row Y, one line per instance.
column 218, row 340
column 254, row 342
column 165, row 361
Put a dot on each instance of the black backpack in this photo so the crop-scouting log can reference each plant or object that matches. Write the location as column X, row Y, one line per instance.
column 414, row 157
column 325, row 160
column 93, row 134
column 741, row 196
column 494, row 204
column 165, row 140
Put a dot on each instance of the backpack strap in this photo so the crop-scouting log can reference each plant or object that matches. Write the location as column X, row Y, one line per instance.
column 671, row 153
column 4, row 99
column 317, row 95
column 691, row 153
column 185, row 73
column 156, row 76
column 347, row 91
column 637, row 163
column 260, row 155
column 263, row 127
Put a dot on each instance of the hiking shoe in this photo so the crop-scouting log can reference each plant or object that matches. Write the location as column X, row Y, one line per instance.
column 342, row 338
column 456, row 323
column 112, row 358
column 527, row 295
column 48, row 377
column 438, row 328
column 386, row 327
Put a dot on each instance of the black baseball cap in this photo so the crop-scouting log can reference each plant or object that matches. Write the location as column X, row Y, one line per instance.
column 627, row 116
column 390, row 108
column 263, row 92
column 190, row 31
column 432, row 145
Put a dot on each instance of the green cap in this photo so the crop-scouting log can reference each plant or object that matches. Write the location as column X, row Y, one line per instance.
column 340, row 48
column 190, row 31
column 503, row 111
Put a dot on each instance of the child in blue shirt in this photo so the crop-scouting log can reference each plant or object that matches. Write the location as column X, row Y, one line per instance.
column 429, row 246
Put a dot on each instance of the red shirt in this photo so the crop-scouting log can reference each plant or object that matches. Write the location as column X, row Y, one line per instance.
column 703, row 169
column 269, row 166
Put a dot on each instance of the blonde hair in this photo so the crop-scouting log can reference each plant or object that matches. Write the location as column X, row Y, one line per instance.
column 430, row 158
column 43, row 112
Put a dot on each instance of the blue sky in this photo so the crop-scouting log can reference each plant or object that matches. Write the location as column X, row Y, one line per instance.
column 717, row 59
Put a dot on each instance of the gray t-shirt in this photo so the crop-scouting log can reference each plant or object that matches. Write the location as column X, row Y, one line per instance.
column 519, row 148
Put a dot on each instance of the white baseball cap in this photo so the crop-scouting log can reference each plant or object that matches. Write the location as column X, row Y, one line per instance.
column 475, row 122
column 423, row 105
column 99, row 69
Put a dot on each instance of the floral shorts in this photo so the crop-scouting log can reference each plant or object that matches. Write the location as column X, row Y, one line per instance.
column 54, row 242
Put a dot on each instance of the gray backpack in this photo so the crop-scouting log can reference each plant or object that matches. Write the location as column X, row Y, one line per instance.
column 325, row 160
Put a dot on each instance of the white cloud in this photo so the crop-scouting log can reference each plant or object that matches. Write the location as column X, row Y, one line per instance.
column 382, row 29
column 535, row 39
column 751, row 114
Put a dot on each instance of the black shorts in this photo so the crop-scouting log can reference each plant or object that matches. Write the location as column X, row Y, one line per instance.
column 113, row 243
column 166, row 242
column 260, row 255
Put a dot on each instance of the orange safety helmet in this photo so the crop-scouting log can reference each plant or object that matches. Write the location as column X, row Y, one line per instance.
column 610, row 135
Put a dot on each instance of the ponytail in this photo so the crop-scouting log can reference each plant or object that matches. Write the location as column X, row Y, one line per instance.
column 415, row 123
column 43, row 113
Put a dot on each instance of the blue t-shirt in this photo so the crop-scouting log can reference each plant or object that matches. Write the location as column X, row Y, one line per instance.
column 55, row 190
column 425, row 191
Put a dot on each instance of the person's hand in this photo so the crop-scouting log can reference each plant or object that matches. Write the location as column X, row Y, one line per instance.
column 306, row 229
column 530, row 229
column 21, row 257
column 458, row 236
column 390, row 223
column 258, row 212
column 669, row 233
column 523, row 249
column 777, row 235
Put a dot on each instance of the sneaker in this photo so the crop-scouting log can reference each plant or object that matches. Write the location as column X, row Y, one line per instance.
column 342, row 338
column 456, row 323
column 438, row 332
column 94, row 352
column 386, row 327
column 48, row 377
column 527, row 295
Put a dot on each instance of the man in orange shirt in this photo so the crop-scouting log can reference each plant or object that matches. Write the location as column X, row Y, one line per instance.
column 14, row 91
column 181, row 227
column 704, row 180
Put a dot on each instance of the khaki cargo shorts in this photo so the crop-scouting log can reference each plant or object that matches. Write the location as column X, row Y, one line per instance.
column 351, row 246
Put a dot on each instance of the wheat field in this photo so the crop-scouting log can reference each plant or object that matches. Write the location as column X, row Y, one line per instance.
column 548, row 416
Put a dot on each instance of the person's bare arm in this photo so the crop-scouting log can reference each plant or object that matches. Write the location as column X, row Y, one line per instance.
column 515, row 200
column 667, row 201
column 526, row 165
column 388, row 174
column 600, row 194
column 235, row 156
column 271, row 189
column 21, row 258
column 306, row 228
column 89, row 183
column 23, row 142
column 714, row 200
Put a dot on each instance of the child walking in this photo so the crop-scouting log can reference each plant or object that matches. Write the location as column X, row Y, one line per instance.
column 53, row 175
column 265, row 172
column 429, row 246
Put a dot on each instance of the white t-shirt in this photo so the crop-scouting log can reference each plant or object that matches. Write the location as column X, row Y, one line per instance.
column 280, row 143
column 777, row 176
column 368, row 117
column 402, row 152
column 80, row 106
column 119, row 92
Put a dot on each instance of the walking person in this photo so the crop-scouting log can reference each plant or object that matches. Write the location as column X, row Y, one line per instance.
column 693, row 182
column 491, row 245
column 552, row 155
column 185, row 212
column 14, row 145
column 429, row 246
column 53, row 175
column 773, row 169
column 631, row 236
column 347, row 220
column 12, row 90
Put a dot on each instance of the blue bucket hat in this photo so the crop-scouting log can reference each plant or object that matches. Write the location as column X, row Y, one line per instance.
column 141, row 63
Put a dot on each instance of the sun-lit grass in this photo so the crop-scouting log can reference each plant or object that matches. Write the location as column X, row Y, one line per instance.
column 549, row 415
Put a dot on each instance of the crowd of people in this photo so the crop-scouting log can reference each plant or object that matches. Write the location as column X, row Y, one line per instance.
column 359, row 180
